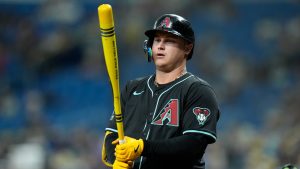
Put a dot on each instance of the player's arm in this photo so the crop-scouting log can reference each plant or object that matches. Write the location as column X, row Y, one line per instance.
column 184, row 144
column 202, row 112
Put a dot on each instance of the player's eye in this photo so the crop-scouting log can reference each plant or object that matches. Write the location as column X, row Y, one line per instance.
column 157, row 40
column 170, row 40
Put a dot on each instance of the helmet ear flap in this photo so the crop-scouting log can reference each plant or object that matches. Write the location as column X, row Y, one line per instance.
column 148, row 50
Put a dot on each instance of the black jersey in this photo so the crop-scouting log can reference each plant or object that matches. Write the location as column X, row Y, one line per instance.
column 186, row 105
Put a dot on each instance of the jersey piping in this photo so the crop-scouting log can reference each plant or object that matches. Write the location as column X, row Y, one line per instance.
column 202, row 132
column 149, row 85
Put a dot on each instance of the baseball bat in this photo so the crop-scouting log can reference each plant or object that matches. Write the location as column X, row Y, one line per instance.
column 107, row 30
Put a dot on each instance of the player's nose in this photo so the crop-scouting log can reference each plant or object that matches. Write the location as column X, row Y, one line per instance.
column 161, row 45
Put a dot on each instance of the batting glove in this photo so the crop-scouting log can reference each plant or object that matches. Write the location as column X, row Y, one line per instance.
column 130, row 150
column 122, row 165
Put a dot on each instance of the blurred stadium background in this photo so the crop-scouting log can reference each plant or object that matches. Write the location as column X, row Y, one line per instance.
column 55, row 98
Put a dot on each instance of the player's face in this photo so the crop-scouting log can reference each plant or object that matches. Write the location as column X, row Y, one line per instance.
column 169, row 51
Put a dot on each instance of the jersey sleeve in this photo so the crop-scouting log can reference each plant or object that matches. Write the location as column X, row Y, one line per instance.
column 201, row 111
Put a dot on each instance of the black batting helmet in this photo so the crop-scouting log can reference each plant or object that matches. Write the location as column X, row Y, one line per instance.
column 175, row 25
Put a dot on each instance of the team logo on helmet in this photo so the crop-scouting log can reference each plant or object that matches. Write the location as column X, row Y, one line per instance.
column 166, row 23
column 201, row 114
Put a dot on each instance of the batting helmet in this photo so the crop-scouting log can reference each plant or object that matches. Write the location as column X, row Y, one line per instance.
column 173, row 24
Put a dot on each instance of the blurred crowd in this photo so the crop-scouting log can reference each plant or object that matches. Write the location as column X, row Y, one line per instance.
column 55, row 97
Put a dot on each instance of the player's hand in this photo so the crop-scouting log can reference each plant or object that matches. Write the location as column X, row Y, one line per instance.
column 122, row 165
column 130, row 150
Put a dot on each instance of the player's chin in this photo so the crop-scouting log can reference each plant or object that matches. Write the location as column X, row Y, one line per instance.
column 160, row 63
column 160, row 60
column 164, row 67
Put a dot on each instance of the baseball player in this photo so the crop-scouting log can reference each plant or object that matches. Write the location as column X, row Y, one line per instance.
column 169, row 117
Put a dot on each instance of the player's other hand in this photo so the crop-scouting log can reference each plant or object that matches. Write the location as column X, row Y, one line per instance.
column 122, row 165
column 130, row 150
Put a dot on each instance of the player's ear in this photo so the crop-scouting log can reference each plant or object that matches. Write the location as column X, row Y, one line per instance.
column 188, row 48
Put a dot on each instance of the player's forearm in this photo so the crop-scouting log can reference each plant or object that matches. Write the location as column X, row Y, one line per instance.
column 187, row 145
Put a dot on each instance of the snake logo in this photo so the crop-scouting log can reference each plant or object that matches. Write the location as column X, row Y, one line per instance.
column 201, row 114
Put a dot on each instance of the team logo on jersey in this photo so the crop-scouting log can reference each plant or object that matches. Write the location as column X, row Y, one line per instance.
column 201, row 114
column 168, row 115
column 166, row 23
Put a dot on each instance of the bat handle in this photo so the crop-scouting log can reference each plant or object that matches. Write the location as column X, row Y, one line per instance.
column 119, row 123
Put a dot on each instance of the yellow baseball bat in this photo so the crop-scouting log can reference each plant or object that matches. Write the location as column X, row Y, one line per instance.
column 107, row 29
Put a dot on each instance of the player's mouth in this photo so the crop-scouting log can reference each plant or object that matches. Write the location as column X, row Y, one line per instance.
column 160, row 55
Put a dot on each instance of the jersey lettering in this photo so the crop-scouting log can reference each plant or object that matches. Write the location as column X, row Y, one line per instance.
column 169, row 112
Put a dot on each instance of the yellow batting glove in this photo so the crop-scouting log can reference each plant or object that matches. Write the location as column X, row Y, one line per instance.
column 130, row 150
column 122, row 165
